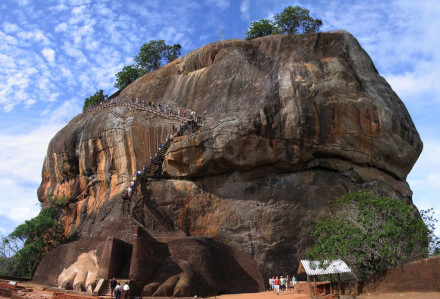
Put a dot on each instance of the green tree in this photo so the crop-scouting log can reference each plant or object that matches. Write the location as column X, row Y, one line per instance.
column 295, row 19
column 127, row 75
column 430, row 222
column 94, row 99
column 24, row 248
column 154, row 54
column 371, row 233
column 292, row 20
column 261, row 28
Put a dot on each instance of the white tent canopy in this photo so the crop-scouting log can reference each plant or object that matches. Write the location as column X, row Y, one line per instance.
column 324, row 268
column 314, row 268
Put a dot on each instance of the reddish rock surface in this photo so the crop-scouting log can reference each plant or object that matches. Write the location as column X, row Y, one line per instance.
column 290, row 122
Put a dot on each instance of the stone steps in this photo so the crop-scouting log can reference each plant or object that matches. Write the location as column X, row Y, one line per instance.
column 106, row 292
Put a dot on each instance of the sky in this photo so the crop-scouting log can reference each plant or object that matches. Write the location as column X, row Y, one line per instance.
column 55, row 53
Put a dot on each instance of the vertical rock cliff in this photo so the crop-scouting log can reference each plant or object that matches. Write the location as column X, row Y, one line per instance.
column 289, row 123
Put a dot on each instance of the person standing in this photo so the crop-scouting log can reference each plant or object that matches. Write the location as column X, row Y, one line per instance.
column 287, row 282
column 113, row 283
column 282, row 282
column 118, row 291
column 271, row 282
column 277, row 285
column 293, row 280
column 126, row 291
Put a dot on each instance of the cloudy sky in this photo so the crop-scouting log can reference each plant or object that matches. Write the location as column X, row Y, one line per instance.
column 54, row 53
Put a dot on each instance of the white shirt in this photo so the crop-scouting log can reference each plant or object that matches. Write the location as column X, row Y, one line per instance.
column 126, row 287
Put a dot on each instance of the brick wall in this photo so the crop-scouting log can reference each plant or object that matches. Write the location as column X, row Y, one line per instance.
column 421, row 276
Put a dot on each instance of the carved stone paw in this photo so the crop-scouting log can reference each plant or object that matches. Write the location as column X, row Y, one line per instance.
column 176, row 278
column 81, row 275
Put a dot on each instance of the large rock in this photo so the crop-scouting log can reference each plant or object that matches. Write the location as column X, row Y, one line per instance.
column 290, row 122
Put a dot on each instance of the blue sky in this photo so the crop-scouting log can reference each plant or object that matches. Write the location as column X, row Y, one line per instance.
column 55, row 53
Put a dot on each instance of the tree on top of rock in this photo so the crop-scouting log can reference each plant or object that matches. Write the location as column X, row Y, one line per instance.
column 292, row 20
column 295, row 19
column 98, row 97
column 152, row 56
column 261, row 28
column 127, row 75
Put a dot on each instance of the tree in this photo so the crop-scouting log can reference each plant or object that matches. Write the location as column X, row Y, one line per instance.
column 23, row 249
column 151, row 57
column 126, row 76
column 291, row 20
column 296, row 19
column 371, row 233
column 261, row 28
column 94, row 99
column 155, row 54
column 430, row 221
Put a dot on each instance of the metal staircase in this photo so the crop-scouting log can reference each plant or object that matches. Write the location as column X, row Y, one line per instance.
column 153, row 170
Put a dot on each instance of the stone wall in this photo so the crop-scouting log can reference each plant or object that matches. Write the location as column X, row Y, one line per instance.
column 419, row 276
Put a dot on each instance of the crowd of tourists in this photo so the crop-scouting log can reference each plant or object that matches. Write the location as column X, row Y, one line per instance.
column 150, row 105
column 170, row 137
column 281, row 283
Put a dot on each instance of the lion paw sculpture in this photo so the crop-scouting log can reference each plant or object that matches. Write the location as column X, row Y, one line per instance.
column 81, row 275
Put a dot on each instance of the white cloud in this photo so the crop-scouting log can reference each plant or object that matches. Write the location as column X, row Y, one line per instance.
column 74, row 52
column 244, row 9
column 59, row 7
column 222, row 4
column 40, row 37
column 434, row 180
column 49, row 54
column 61, row 27
column 30, row 102
column 8, row 108
column 7, row 62
column 9, row 28
column 53, row 97
column 78, row 10
column 9, row 209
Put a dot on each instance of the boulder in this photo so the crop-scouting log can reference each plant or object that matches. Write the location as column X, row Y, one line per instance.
column 289, row 123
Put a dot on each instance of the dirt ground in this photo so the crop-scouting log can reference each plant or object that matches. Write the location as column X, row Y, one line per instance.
column 39, row 293
column 284, row 295
column 289, row 295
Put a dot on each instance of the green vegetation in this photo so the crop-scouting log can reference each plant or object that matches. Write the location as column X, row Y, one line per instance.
column 155, row 54
column 127, row 76
column 371, row 233
column 430, row 221
column 261, row 28
column 94, row 99
column 152, row 56
column 292, row 20
column 22, row 250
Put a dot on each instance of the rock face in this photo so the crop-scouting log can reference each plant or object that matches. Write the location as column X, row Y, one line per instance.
column 289, row 123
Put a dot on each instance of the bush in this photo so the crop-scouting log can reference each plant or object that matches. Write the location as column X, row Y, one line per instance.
column 370, row 233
